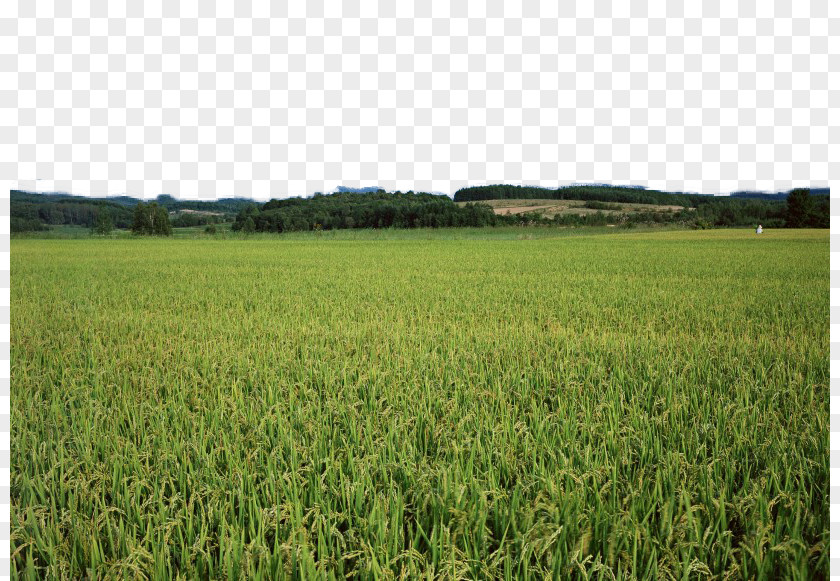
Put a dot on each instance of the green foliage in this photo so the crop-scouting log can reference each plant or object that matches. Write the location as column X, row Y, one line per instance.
column 224, row 206
column 799, row 208
column 249, row 211
column 210, row 229
column 143, row 220
column 595, row 205
column 803, row 211
column 64, row 209
column 603, row 193
column 191, row 220
column 721, row 211
column 633, row 406
column 364, row 210
column 20, row 224
column 151, row 220
column 32, row 208
column 104, row 224
column 821, row 214
column 379, row 209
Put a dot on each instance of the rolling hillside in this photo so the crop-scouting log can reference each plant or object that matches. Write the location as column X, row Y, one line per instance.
column 550, row 208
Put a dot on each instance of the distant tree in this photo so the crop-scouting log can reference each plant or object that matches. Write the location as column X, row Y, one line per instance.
column 104, row 224
column 162, row 225
column 210, row 229
column 151, row 220
column 187, row 220
column 248, row 225
column 249, row 211
column 26, row 225
column 799, row 208
column 143, row 219
column 820, row 217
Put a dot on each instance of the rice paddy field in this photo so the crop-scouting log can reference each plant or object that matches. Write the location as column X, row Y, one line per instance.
column 624, row 405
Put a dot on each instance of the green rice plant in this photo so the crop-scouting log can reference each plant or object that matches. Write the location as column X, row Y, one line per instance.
column 632, row 405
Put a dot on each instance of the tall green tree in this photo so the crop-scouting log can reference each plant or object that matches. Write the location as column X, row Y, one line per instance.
column 249, row 211
column 820, row 217
column 104, row 224
column 143, row 219
column 151, row 220
column 800, row 206
column 162, row 225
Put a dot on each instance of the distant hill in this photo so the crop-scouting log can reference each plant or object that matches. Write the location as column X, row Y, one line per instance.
column 36, row 211
column 378, row 209
column 374, row 207
column 594, row 192
column 223, row 205
column 40, row 197
column 609, row 193
column 368, row 190
column 741, row 209
column 777, row 195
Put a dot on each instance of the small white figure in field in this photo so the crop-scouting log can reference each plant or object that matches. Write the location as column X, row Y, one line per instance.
column 758, row 230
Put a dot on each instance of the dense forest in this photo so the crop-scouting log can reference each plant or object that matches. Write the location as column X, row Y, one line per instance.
column 379, row 209
column 362, row 210
column 778, row 195
column 743, row 209
column 601, row 193
column 608, row 193
column 414, row 210
column 38, row 214
column 31, row 211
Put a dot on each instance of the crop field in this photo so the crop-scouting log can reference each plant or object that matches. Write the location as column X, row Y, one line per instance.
column 624, row 405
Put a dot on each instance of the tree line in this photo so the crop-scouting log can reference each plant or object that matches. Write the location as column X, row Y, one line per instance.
column 380, row 209
column 798, row 209
column 362, row 210
column 151, row 220
column 148, row 220
column 35, row 212
column 27, row 216
column 601, row 193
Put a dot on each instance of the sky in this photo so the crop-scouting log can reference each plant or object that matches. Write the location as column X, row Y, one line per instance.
column 201, row 100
